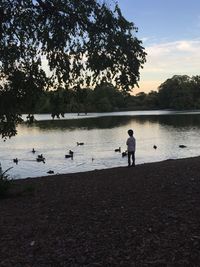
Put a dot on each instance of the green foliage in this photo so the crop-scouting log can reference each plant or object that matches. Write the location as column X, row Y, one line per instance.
column 107, row 98
column 103, row 98
column 175, row 93
column 4, row 182
column 104, row 105
column 142, row 101
column 180, row 92
column 151, row 100
column 82, row 43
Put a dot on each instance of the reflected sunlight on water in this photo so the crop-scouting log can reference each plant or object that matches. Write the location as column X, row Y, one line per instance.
column 101, row 135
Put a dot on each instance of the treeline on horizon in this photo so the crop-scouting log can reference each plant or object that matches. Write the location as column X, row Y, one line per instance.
column 179, row 92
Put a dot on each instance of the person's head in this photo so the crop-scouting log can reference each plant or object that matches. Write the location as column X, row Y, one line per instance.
column 130, row 132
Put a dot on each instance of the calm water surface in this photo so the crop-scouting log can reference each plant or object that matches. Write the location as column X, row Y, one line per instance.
column 101, row 134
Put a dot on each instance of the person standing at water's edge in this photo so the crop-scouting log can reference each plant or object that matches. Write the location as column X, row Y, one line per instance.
column 131, row 142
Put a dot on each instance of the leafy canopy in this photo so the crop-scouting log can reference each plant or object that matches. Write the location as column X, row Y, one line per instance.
column 45, row 44
column 180, row 92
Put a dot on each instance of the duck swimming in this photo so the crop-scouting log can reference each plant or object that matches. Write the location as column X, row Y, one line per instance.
column 69, row 156
column 40, row 158
column 71, row 152
column 80, row 143
column 15, row 160
column 182, row 146
column 124, row 154
column 118, row 149
column 50, row 172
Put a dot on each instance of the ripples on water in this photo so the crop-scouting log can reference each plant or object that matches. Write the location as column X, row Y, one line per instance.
column 101, row 134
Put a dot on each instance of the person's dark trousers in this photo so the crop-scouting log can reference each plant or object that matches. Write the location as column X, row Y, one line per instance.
column 131, row 154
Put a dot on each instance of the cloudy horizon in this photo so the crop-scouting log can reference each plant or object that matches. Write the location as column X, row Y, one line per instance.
column 170, row 32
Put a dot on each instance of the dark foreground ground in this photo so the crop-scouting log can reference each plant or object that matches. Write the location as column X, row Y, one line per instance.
column 143, row 216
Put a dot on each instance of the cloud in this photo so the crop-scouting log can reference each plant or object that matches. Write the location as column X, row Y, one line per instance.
column 145, row 39
column 167, row 59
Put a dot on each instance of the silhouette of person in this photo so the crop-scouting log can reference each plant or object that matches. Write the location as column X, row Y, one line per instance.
column 131, row 144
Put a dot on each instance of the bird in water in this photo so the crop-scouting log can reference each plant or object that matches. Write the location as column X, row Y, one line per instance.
column 80, row 143
column 50, row 172
column 182, row 146
column 118, row 149
column 15, row 160
column 69, row 156
column 124, row 154
column 71, row 152
column 40, row 158
column 33, row 150
column 155, row 147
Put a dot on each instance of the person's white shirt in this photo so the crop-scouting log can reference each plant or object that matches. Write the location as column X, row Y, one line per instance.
column 131, row 143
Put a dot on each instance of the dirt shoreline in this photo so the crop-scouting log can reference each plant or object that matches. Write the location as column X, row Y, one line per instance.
column 143, row 216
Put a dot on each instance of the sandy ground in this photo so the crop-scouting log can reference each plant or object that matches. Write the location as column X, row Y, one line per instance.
column 148, row 215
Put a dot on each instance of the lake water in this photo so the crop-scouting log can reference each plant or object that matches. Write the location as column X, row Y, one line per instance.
column 102, row 134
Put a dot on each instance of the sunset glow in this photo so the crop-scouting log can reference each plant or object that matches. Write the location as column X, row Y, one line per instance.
column 170, row 34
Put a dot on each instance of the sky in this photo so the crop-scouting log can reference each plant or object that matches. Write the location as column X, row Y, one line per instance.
column 170, row 32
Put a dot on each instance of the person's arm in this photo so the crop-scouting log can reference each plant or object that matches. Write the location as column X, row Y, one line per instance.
column 135, row 143
column 127, row 141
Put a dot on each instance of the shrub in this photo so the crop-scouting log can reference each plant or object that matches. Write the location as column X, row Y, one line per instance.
column 4, row 182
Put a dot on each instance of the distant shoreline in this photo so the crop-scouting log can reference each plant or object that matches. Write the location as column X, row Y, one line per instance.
column 90, row 115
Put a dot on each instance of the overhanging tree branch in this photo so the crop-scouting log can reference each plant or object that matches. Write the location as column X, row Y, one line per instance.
column 83, row 42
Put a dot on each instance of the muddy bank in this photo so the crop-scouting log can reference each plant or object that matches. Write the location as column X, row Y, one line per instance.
column 143, row 216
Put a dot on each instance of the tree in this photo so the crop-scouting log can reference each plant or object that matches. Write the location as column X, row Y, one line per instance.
column 81, row 42
column 151, row 100
column 174, row 92
column 195, row 84
column 108, row 91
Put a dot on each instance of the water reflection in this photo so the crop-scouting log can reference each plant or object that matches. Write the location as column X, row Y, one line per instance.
column 88, row 123
column 109, row 122
column 101, row 135
column 172, row 120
